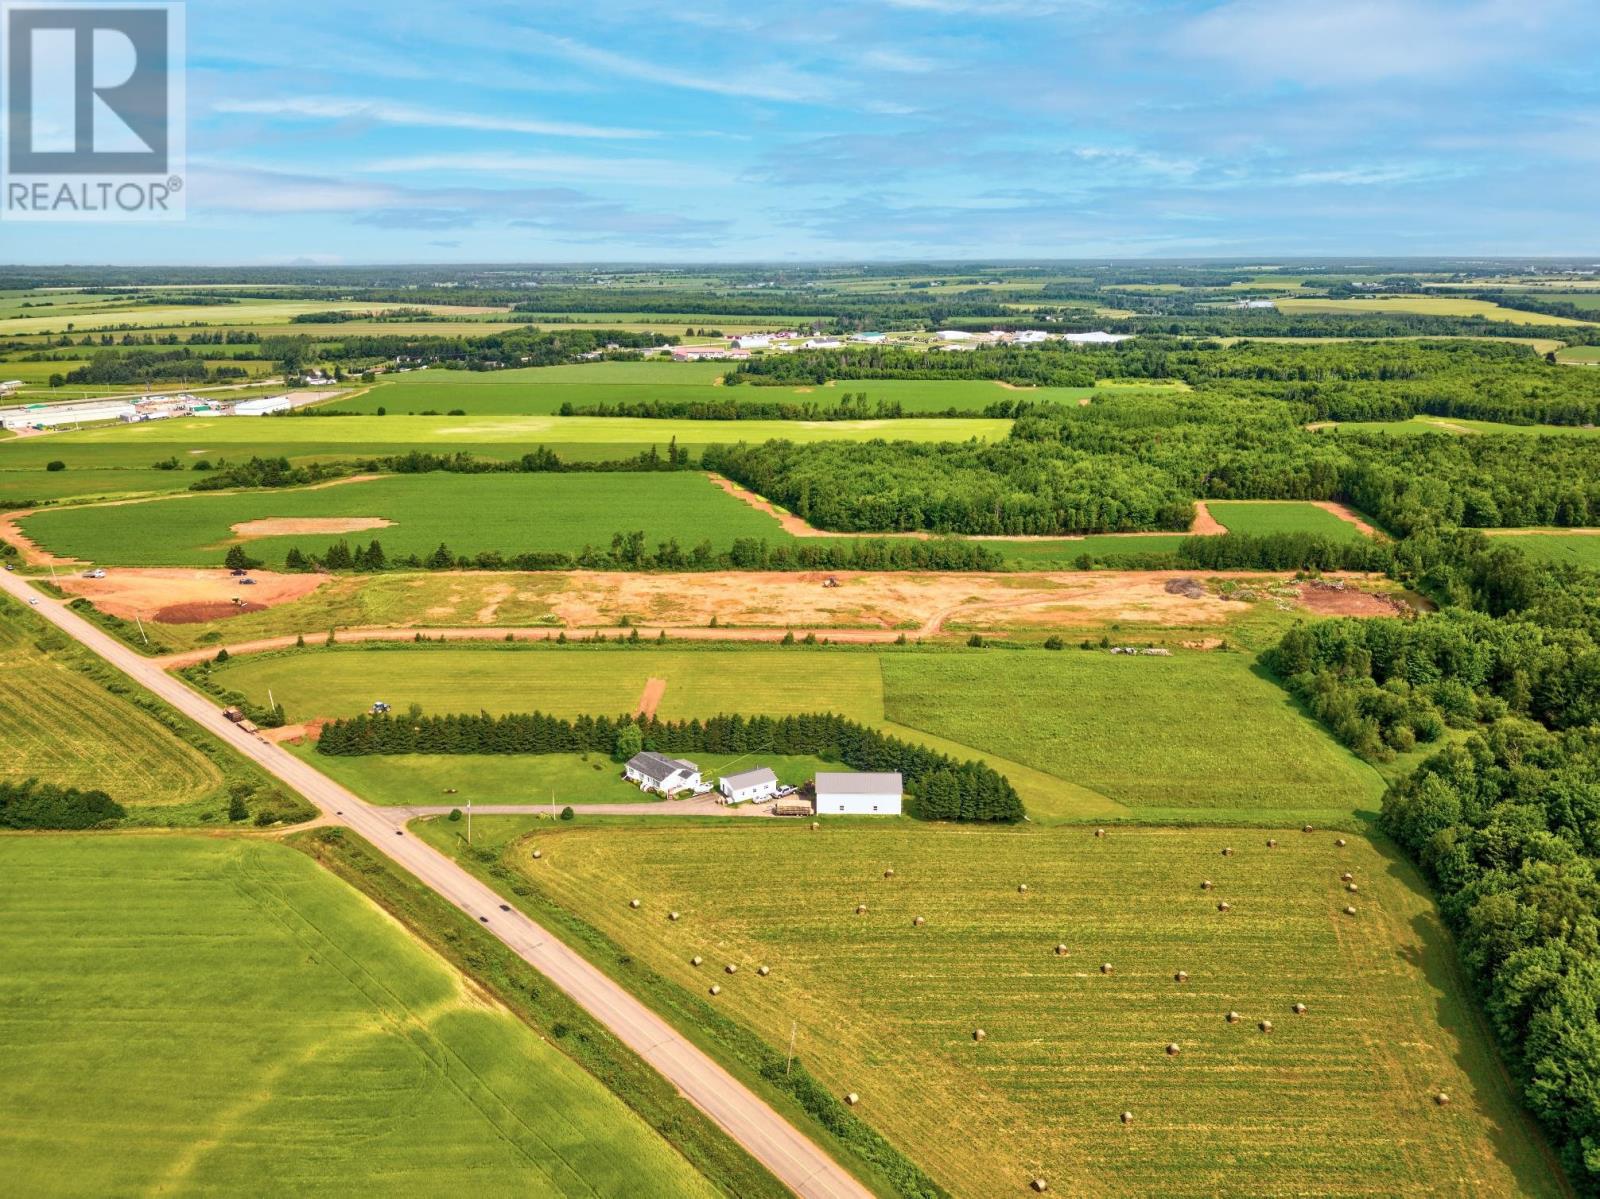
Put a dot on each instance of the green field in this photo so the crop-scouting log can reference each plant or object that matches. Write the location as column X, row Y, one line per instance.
column 1426, row 306
column 17, row 486
column 1263, row 519
column 1102, row 547
column 1583, row 355
column 1338, row 1100
column 542, row 391
column 1082, row 735
column 303, row 439
column 1169, row 737
column 1554, row 545
column 60, row 726
column 1456, row 425
column 200, row 1016
column 506, row 513
column 556, row 779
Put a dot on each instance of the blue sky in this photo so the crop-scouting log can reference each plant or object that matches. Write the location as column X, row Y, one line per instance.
column 354, row 131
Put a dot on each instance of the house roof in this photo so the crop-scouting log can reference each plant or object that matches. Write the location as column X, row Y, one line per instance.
column 859, row 784
column 750, row 778
column 657, row 767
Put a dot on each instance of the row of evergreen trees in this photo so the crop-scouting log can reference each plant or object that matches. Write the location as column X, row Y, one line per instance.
column 939, row 787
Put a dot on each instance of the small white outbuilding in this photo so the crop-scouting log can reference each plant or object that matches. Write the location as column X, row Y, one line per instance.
column 859, row 794
column 750, row 786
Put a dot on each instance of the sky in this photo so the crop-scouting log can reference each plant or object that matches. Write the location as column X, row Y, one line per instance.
column 350, row 131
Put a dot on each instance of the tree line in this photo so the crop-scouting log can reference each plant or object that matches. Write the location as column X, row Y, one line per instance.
column 938, row 786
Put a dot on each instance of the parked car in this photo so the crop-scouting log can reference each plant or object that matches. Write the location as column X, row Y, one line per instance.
column 247, row 582
column 94, row 574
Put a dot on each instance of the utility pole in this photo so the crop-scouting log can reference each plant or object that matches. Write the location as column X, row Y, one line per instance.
column 140, row 625
column 469, row 820
column 793, row 1026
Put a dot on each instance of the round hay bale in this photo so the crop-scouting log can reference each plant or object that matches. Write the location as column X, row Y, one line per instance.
column 1099, row 832
column 672, row 915
column 852, row 1099
column 763, row 971
column 1181, row 976
column 538, row 853
column 861, row 909
column 1350, row 911
column 1105, row 967
column 730, row 968
column 1265, row 1026
column 696, row 960
column 633, row 903
column 716, row 989
column 1173, row 1050
column 978, row 1034
column 1227, row 851
column 1205, row 885
column 1351, row 887
column 1340, row 842
column 918, row 922
column 1061, row 951
column 1232, row 1017
column 1272, row 843
column 1441, row 1098
column 1308, row 829
column 815, row 825
column 1040, row 1185
column 1346, row 876
column 1224, row 906
column 889, row 873
column 1299, row 1009
column 1127, row 1117
column 1022, row 888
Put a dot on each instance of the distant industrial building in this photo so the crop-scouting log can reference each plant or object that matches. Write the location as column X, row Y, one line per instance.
column 55, row 416
column 265, row 406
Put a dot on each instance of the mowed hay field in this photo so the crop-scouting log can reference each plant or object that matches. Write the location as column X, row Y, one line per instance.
column 1337, row 1101
column 1262, row 519
column 218, row 1016
column 503, row 438
column 62, row 727
column 543, row 390
column 505, row 513
column 1581, row 549
column 1427, row 306
column 1081, row 735
column 1170, row 737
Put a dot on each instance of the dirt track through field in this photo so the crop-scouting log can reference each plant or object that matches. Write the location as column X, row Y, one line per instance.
column 650, row 699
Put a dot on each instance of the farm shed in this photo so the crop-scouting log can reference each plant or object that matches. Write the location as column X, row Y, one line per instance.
column 657, row 772
column 751, row 786
column 859, row 794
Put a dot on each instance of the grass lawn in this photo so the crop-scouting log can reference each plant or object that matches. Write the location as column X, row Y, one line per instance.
column 213, row 1016
column 1169, row 737
column 559, row 779
column 1581, row 549
column 580, row 438
column 1337, row 1099
column 507, row 513
column 1264, row 519
column 60, row 726
column 39, row 484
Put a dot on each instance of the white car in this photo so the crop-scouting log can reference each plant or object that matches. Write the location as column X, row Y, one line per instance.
column 34, row 600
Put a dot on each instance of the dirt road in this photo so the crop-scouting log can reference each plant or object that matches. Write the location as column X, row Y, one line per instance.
column 788, row 1154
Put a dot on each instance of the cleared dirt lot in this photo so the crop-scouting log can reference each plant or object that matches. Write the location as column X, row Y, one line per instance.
column 175, row 596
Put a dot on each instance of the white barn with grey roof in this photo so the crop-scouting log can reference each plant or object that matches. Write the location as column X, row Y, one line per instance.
column 750, row 786
column 859, row 794
column 657, row 772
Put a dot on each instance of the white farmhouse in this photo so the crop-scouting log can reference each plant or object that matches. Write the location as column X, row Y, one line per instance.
column 859, row 794
column 657, row 772
column 751, row 786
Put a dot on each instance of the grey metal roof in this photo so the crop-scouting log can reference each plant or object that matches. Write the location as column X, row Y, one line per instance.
column 888, row 783
column 750, row 778
column 658, row 767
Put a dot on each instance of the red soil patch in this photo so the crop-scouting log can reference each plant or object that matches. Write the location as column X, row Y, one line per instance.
column 1205, row 525
column 650, row 698
column 276, row 526
column 1327, row 601
column 200, row 612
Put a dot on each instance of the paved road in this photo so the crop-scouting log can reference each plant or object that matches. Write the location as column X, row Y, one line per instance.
column 793, row 1158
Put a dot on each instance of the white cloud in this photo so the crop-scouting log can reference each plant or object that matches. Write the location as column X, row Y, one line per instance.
column 657, row 172
column 336, row 108
column 770, row 83
column 1313, row 42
